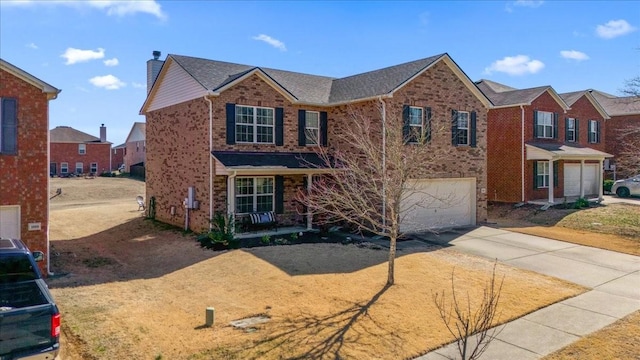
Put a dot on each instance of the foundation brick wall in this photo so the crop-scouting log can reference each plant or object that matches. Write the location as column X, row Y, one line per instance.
column 24, row 178
column 178, row 142
column 68, row 152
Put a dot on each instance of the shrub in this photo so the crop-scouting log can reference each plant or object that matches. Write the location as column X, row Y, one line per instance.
column 266, row 239
column 221, row 235
column 607, row 184
column 581, row 203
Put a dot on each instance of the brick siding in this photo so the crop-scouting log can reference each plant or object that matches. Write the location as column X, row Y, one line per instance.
column 68, row 152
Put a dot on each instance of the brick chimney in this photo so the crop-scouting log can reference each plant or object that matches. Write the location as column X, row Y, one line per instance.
column 153, row 69
column 103, row 133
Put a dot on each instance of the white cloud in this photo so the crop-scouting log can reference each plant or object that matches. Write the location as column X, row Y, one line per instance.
column 271, row 41
column 117, row 8
column 574, row 55
column 515, row 65
column 111, row 62
column 138, row 85
column 614, row 28
column 77, row 55
column 32, row 46
column 529, row 3
column 108, row 82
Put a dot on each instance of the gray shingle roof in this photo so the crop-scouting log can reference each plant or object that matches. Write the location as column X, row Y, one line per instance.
column 70, row 135
column 564, row 150
column 571, row 97
column 314, row 89
column 616, row 106
column 270, row 159
column 507, row 95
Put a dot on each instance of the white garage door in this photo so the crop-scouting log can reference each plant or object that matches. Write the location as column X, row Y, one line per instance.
column 572, row 179
column 10, row 222
column 439, row 203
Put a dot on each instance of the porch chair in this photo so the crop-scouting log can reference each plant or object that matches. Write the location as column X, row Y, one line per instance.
column 140, row 201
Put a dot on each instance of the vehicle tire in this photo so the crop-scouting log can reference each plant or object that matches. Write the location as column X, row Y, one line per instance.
column 622, row 192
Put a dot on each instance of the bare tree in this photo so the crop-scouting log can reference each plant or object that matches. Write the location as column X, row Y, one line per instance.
column 373, row 159
column 632, row 87
column 627, row 160
column 472, row 327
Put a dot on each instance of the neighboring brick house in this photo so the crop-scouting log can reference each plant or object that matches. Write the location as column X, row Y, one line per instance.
column 236, row 135
column 542, row 146
column 76, row 152
column 24, row 178
column 135, row 146
column 117, row 156
column 622, row 139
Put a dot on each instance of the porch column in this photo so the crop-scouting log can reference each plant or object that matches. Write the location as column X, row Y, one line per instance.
column 231, row 195
column 309, row 214
column 600, row 181
column 550, row 181
column 582, row 178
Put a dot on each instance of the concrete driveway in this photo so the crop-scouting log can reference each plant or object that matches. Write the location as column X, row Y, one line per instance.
column 612, row 199
column 613, row 277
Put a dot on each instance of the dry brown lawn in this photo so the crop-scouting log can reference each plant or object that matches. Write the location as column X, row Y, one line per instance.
column 134, row 289
column 620, row 340
column 613, row 227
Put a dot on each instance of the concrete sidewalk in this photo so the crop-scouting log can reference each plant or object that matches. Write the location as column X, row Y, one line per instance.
column 613, row 278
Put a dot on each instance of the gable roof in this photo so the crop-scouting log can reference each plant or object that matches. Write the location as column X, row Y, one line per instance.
column 66, row 134
column 617, row 106
column 217, row 76
column 138, row 129
column 506, row 96
column 51, row 91
column 571, row 97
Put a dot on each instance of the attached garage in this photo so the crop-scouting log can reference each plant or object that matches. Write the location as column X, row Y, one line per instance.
column 439, row 203
column 10, row 221
column 572, row 179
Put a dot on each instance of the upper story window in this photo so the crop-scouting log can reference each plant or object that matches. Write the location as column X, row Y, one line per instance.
column 571, row 130
column 544, row 124
column 594, row 131
column 82, row 149
column 254, row 194
column 8, row 126
column 463, row 123
column 254, row 124
column 416, row 123
column 312, row 128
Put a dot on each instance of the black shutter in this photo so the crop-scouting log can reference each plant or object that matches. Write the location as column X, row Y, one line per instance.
column 472, row 130
column 279, row 126
column 427, row 124
column 279, row 195
column 555, row 125
column 454, row 127
column 556, row 166
column 535, row 123
column 535, row 175
column 566, row 129
column 597, row 132
column 406, row 128
column 9, row 129
column 577, row 130
column 324, row 129
column 231, row 124
column 302, row 124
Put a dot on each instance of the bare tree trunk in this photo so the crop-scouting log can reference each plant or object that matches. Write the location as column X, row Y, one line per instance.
column 392, row 258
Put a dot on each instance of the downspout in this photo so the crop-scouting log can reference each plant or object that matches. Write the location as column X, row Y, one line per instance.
column 384, row 162
column 210, row 158
column 522, row 162
column 49, row 273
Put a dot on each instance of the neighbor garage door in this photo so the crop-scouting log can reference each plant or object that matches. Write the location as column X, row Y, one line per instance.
column 439, row 203
column 572, row 179
column 10, row 222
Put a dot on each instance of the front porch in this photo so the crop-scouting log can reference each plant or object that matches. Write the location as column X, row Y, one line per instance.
column 281, row 231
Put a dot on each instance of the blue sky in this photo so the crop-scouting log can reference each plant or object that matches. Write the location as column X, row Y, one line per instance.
column 96, row 51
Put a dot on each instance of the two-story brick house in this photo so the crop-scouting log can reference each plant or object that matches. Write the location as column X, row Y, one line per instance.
column 543, row 146
column 117, row 156
column 622, row 139
column 24, row 151
column 236, row 137
column 76, row 152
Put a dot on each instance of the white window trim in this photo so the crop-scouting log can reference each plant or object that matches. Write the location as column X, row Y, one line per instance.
column 81, row 168
column 256, row 125
column 593, row 131
column 466, row 129
column 572, row 130
column 82, row 149
column 317, row 129
column 255, row 193
column 544, row 174
column 545, row 126
column 420, row 126
column 92, row 168
column 64, row 168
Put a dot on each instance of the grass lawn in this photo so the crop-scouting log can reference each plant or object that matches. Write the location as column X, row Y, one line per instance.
column 613, row 227
column 620, row 340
